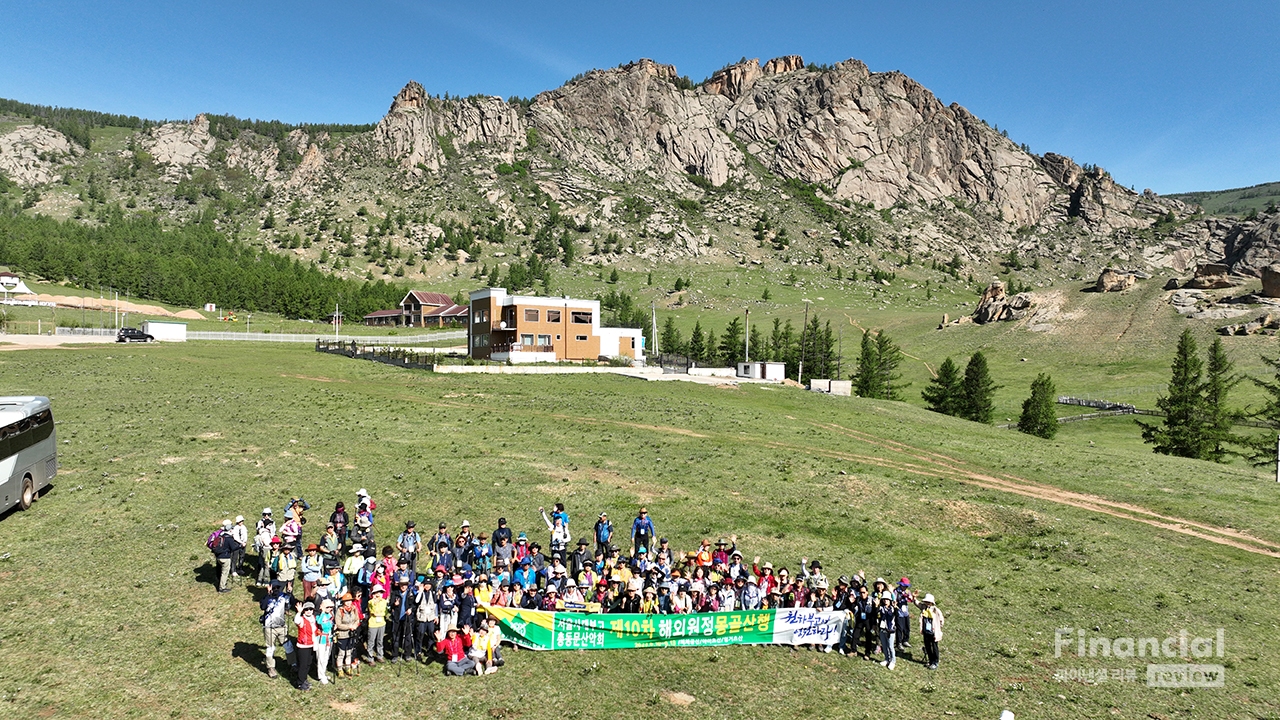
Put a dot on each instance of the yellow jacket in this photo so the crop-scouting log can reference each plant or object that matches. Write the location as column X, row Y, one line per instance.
column 377, row 612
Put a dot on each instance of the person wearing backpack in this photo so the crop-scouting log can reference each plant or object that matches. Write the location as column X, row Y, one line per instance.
column 930, row 629
column 275, row 627
column 224, row 545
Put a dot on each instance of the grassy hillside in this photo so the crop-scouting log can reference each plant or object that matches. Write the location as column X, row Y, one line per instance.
column 1237, row 201
column 109, row 607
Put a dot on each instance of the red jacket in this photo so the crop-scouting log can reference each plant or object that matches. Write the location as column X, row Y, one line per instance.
column 306, row 631
column 454, row 649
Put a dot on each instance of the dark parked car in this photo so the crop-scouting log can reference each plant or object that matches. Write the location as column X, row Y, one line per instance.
column 132, row 335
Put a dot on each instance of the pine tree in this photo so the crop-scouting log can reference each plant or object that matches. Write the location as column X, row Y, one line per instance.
column 1184, row 429
column 943, row 393
column 613, row 276
column 1219, row 381
column 1038, row 416
column 758, row 348
column 671, row 341
column 977, row 391
column 864, row 382
column 697, row 346
column 1261, row 449
column 710, row 355
column 731, row 344
column 888, row 358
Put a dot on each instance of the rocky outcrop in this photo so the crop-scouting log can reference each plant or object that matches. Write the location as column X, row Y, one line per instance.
column 310, row 170
column 1266, row 321
column 735, row 79
column 784, row 64
column 1111, row 280
column 1271, row 281
column 1253, row 245
column 260, row 162
column 422, row 131
column 995, row 305
column 1211, row 276
column 32, row 154
column 180, row 146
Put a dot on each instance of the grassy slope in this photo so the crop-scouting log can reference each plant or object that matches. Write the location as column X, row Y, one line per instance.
column 1236, row 201
column 108, row 605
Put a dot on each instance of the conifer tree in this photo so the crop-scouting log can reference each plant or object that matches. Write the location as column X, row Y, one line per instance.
column 697, row 346
column 730, row 347
column 943, row 391
column 888, row 358
column 1219, row 381
column 1184, row 429
column 977, row 391
column 709, row 349
column 672, row 341
column 1038, row 417
column 1261, row 449
column 864, row 380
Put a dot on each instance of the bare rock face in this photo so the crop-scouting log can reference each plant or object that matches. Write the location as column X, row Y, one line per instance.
column 1114, row 281
column 784, row 64
column 732, row 81
column 310, row 170
column 259, row 162
column 180, row 146
column 633, row 119
column 1253, row 245
column 996, row 305
column 1211, row 276
column 32, row 154
column 422, row 130
column 1266, row 321
column 1271, row 281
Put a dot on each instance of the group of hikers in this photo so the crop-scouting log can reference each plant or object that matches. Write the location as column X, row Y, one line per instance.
column 423, row 599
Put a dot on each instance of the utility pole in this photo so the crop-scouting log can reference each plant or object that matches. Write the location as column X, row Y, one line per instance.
column 746, row 337
column 653, row 315
column 1278, row 458
column 803, row 347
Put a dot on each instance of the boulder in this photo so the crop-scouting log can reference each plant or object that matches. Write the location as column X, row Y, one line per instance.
column 1172, row 284
column 996, row 305
column 1271, row 281
column 1211, row 276
column 1114, row 281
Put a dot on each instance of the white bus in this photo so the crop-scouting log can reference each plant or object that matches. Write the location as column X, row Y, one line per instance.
column 28, row 450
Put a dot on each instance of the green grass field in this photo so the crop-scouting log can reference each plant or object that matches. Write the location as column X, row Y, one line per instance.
column 110, row 613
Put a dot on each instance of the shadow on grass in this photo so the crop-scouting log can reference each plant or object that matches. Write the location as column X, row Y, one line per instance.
column 207, row 573
column 253, row 655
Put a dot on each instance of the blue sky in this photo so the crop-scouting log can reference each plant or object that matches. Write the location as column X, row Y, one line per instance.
column 1173, row 95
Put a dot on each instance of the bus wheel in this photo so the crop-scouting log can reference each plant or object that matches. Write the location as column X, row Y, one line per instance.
column 28, row 493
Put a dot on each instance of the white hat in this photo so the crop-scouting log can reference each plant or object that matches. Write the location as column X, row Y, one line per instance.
column 751, row 580
column 226, row 524
column 266, row 511
column 465, row 524
column 362, row 493
column 239, row 518
column 928, row 597
column 886, row 595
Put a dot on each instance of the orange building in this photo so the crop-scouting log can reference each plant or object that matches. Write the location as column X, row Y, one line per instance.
column 525, row 329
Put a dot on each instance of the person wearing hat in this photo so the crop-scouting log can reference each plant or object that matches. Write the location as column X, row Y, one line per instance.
column 489, row 641
column 811, row 572
column 903, row 598
column 453, row 646
column 887, row 626
column 365, row 504
column 525, row 576
column 324, row 638
column 764, row 575
column 224, row 546
column 240, row 532
column 560, row 537
column 311, row 567
column 752, row 596
column 448, row 607
column 263, row 532
column 931, row 621
column 410, row 544
column 403, row 615
column 603, row 533
column 346, row 623
column 724, row 550
column 863, row 612
column 550, row 599
column 305, row 642
column 324, row 589
column 351, row 566
column 736, row 567
column 341, row 522
column 481, row 553
column 330, row 544
column 284, row 563
column 642, row 530
column 502, row 531
column 275, row 624
column 579, row 558
column 442, row 537
column 291, row 533
column 377, row 625
column 362, row 533
column 426, row 616
column 573, row 593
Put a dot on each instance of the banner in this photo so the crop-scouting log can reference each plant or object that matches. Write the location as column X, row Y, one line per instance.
column 545, row 630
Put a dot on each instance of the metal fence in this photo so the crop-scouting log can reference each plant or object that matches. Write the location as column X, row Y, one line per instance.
column 95, row 332
column 302, row 338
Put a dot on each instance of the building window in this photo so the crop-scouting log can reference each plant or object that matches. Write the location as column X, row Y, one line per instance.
column 482, row 316
column 580, row 317
column 557, row 337
column 531, row 316
column 544, row 340
column 580, row 338
column 553, row 316
column 480, row 341
column 526, row 340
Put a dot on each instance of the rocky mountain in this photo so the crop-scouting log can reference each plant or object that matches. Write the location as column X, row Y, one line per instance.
column 771, row 166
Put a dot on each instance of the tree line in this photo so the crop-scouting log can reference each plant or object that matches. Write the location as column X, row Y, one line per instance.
column 189, row 265
column 817, row 345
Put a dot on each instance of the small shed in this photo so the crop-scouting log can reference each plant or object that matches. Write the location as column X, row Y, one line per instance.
column 772, row 371
column 165, row 331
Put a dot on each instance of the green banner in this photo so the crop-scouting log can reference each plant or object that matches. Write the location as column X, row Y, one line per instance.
column 545, row 630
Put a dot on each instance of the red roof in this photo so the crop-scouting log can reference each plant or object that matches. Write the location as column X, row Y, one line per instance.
column 383, row 313
column 450, row 311
column 428, row 298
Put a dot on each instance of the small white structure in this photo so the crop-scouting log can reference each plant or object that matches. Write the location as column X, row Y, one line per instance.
column 164, row 331
column 771, row 371
column 821, row 385
column 843, row 388
column 210, row 307
column 11, row 284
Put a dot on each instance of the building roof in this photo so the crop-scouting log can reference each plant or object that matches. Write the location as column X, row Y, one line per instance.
column 428, row 298
column 384, row 313
column 450, row 311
